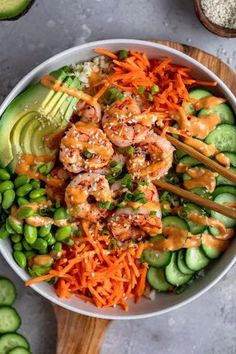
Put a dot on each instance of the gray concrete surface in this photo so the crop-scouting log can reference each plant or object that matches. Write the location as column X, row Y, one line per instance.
column 206, row 326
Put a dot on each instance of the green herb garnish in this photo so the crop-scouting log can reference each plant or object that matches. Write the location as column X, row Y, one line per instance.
column 141, row 90
column 88, row 154
column 154, row 89
column 153, row 212
column 126, row 181
column 111, row 95
column 123, row 54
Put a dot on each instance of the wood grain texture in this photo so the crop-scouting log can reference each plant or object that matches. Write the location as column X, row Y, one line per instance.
column 78, row 334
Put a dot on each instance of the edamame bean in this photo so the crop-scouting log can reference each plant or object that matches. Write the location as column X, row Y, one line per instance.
column 63, row 233
column 6, row 185
column 29, row 254
column 9, row 228
column 43, row 251
column 36, row 193
column 15, row 238
column 44, row 230
column 40, row 244
column 23, row 190
column 69, row 242
column 35, row 184
column 4, row 174
column 8, row 198
column 39, row 199
column 20, row 258
column 3, row 232
column 22, row 201
column 26, row 245
column 60, row 214
column 21, row 180
column 25, row 212
column 30, row 233
column 51, row 240
column 15, row 224
column 18, row 246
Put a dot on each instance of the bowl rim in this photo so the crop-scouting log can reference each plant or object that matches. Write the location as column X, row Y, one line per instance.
column 24, row 83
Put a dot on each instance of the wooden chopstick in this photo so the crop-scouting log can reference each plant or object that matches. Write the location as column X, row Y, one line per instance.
column 206, row 203
column 202, row 158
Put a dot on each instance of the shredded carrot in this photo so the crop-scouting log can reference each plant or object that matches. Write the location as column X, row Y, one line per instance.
column 96, row 274
column 106, row 52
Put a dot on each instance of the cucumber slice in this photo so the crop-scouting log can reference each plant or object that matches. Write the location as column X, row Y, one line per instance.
column 196, row 259
column 232, row 158
column 7, row 292
column 220, row 180
column 157, row 280
column 174, row 221
column 179, row 154
column 197, row 93
column 19, row 350
column 202, row 192
column 222, row 199
column 223, row 110
column 10, row 341
column 223, row 137
column 224, row 189
column 155, row 258
column 193, row 227
column 10, row 9
column 189, row 161
column 9, row 320
column 173, row 275
column 182, row 264
column 211, row 252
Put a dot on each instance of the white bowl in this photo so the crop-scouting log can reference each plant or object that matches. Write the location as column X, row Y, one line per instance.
column 163, row 302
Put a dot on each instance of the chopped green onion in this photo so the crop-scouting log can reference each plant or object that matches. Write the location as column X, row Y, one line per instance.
column 123, row 54
column 139, row 197
column 126, row 181
column 112, row 244
column 154, row 89
column 143, row 183
column 116, row 168
column 88, row 154
column 111, row 95
column 141, row 90
column 106, row 205
column 153, row 212
column 150, row 97
column 129, row 150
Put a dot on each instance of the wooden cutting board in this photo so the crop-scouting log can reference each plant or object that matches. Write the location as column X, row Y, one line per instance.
column 78, row 334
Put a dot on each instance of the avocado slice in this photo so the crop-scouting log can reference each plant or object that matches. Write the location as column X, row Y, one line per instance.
column 11, row 9
column 31, row 116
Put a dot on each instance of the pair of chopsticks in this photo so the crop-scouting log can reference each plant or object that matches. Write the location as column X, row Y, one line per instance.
column 230, row 212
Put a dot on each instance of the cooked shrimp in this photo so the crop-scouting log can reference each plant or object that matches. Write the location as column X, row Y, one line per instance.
column 145, row 221
column 152, row 158
column 85, row 148
column 87, row 113
column 84, row 193
column 124, row 124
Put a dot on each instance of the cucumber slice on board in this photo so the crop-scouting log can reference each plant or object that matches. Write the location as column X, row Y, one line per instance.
column 174, row 221
column 10, row 341
column 232, row 158
column 195, row 259
column 173, row 275
column 196, row 93
column 156, row 278
column 9, row 320
column 19, row 350
column 188, row 208
column 224, row 189
column 223, row 199
column 10, row 9
column 211, row 252
column 223, row 110
column 182, row 264
column 155, row 258
column 223, row 137
column 7, row 292
column 220, row 180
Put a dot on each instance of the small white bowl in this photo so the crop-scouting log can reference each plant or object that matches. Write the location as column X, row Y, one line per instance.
column 163, row 302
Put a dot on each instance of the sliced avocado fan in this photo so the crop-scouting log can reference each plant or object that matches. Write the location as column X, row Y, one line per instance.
column 11, row 9
column 33, row 115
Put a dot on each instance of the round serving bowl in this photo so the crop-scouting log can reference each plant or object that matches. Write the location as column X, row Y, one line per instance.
column 163, row 302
